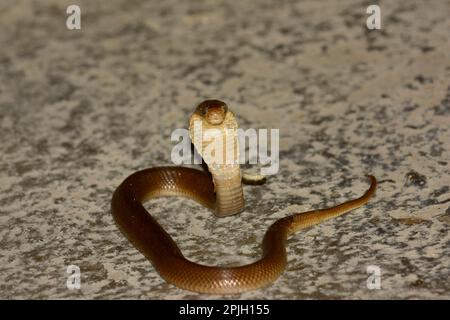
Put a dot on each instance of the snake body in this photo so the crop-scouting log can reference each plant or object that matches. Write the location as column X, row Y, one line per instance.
column 147, row 235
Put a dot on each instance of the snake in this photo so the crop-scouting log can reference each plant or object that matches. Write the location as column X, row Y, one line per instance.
column 219, row 189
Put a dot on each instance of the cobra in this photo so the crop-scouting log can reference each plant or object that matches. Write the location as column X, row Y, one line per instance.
column 219, row 190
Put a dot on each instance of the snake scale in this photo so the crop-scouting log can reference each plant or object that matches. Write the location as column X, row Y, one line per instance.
column 219, row 190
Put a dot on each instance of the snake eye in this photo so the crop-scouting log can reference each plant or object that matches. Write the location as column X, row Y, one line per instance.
column 214, row 111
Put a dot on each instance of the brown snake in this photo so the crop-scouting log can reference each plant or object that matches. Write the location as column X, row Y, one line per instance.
column 220, row 191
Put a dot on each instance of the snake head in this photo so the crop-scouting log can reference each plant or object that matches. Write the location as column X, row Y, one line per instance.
column 213, row 131
column 214, row 111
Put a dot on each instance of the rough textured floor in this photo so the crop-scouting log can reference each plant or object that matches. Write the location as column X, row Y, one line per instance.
column 80, row 110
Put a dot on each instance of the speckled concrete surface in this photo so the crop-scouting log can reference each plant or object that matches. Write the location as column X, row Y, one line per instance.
column 80, row 110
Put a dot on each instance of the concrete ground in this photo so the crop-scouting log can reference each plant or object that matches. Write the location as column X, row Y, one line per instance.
column 82, row 109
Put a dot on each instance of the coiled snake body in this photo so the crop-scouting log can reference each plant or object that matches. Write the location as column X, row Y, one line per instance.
column 221, row 191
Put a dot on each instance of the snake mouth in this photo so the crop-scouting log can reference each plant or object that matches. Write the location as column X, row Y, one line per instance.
column 214, row 111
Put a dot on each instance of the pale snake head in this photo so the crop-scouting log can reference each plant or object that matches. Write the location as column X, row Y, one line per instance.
column 213, row 131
